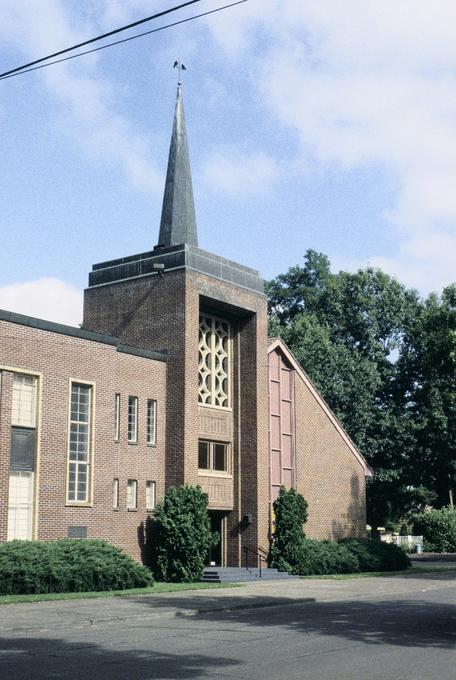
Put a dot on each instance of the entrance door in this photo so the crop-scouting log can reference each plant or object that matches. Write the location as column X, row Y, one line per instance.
column 215, row 556
column 20, row 506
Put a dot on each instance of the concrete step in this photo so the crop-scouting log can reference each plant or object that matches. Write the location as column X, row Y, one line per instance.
column 241, row 574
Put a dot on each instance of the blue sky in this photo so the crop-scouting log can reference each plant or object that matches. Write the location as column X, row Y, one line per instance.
column 312, row 124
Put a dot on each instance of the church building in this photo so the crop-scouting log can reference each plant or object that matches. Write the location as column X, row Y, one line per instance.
column 171, row 380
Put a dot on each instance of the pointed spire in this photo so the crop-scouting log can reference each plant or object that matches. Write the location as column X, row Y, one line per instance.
column 178, row 222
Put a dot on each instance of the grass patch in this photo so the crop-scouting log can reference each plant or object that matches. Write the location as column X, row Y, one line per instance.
column 411, row 571
column 156, row 589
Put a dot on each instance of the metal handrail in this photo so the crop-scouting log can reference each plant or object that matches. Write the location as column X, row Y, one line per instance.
column 260, row 554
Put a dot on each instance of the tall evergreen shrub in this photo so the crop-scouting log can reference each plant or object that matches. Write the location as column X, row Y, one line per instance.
column 290, row 510
column 183, row 534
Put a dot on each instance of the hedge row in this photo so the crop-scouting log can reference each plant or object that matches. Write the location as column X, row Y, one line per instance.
column 67, row 566
column 348, row 556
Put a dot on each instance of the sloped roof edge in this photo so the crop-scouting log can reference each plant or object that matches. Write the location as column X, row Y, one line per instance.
column 275, row 343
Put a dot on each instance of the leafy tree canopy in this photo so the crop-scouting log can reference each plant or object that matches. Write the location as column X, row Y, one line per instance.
column 384, row 360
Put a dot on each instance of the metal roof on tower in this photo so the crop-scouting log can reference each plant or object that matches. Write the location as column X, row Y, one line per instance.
column 178, row 222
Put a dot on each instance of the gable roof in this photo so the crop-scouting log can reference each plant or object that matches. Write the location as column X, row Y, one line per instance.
column 278, row 343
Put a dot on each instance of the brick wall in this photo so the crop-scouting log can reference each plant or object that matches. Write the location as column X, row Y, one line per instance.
column 58, row 358
column 329, row 476
column 150, row 313
column 162, row 312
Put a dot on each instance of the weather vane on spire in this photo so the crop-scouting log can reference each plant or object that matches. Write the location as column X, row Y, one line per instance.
column 180, row 67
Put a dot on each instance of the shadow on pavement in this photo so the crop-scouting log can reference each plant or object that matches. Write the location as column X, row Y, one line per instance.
column 410, row 623
column 46, row 659
column 448, row 574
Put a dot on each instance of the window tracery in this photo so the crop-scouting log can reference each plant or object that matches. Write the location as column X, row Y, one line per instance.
column 213, row 364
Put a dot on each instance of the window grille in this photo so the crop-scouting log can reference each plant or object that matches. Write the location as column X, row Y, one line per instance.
column 151, row 422
column 214, row 359
column 133, row 419
column 24, row 400
column 80, row 443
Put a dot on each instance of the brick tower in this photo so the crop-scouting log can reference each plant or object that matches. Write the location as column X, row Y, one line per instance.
column 210, row 315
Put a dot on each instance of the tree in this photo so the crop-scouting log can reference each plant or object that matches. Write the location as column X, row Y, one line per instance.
column 427, row 374
column 183, row 534
column 384, row 360
column 346, row 330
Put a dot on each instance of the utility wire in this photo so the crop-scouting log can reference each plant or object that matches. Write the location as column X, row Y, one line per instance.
column 19, row 71
column 100, row 37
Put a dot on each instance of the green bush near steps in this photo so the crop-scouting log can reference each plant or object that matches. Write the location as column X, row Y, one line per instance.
column 68, row 565
column 349, row 556
column 291, row 551
column 183, row 536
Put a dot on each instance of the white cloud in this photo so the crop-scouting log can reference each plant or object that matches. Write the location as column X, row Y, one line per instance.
column 365, row 84
column 86, row 99
column 239, row 174
column 47, row 298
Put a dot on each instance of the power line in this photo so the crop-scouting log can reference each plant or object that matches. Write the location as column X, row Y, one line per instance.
column 100, row 37
column 23, row 69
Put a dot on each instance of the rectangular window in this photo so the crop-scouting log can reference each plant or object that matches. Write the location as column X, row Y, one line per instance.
column 203, row 456
column 213, row 456
column 219, row 461
column 116, row 417
column 133, row 419
column 115, row 494
column 24, row 400
column 151, row 422
column 132, row 494
column 79, row 447
column 150, row 495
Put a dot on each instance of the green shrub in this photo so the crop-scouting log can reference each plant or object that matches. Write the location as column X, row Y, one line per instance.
column 325, row 557
column 290, row 510
column 438, row 529
column 375, row 555
column 291, row 551
column 183, row 535
column 348, row 556
column 68, row 565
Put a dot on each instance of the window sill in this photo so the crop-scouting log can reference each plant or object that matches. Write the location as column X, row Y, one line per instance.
column 152, row 446
column 132, row 509
column 132, row 443
column 78, row 505
column 214, row 473
column 217, row 408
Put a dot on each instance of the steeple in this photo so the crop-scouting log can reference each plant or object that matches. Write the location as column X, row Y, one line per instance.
column 178, row 222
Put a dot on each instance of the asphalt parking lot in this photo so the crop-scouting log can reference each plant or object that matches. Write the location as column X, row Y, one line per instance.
column 390, row 627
